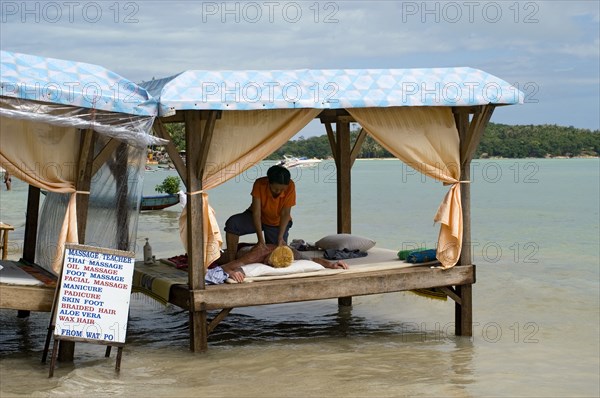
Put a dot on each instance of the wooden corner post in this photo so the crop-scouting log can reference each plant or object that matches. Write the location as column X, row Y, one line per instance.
column 199, row 127
column 66, row 349
column 195, row 249
column 343, row 163
column 470, row 133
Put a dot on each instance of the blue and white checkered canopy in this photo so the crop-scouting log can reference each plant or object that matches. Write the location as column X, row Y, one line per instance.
column 75, row 94
column 331, row 89
column 77, row 84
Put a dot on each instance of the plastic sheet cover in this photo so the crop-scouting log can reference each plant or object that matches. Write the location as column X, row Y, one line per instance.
column 128, row 128
column 109, row 225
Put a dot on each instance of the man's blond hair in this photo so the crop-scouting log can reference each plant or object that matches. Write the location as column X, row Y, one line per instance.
column 280, row 257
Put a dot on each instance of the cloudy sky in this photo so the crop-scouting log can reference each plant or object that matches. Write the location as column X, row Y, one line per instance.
column 549, row 49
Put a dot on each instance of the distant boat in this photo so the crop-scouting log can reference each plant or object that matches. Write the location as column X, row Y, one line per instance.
column 155, row 202
column 158, row 202
column 292, row 161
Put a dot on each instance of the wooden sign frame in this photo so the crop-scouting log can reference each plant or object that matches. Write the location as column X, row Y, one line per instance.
column 92, row 299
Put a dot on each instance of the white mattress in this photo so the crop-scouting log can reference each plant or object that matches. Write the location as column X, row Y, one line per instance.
column 13, row 275
column 376, row 260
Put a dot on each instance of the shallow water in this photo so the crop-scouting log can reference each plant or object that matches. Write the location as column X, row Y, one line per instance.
column 536, row 301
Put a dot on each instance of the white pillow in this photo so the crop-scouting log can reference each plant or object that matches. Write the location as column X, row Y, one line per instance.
column 345, row 241
column 298, row 266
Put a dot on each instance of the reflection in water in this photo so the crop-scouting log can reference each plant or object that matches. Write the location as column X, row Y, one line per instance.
column 462, row 362
column 22, row 336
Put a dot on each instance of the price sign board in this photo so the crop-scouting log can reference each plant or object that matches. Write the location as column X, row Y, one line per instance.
column 94, row 296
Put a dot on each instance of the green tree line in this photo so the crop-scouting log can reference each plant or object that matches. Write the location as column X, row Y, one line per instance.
column 499, row 140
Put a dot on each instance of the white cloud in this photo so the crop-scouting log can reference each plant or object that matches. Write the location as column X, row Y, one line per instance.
column 527, row 42
column 582, row 50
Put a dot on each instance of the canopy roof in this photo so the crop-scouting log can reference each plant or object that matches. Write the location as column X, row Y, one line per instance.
column 75, row 94
column 71, row 83
column 330, row 89
column 50, row 112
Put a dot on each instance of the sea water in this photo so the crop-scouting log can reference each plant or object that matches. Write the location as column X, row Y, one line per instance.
column 535, row 240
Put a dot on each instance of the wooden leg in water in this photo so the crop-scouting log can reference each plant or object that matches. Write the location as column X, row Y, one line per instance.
column 53, row 358
column 23, row 313
column 47, row 344
column 198, row 331
column 463, row 313
column 216, row 320
column 107, row 352
column 345, row 301
column 66, row 351
column 119, row 356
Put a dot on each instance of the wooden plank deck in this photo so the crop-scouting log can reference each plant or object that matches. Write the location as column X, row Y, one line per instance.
column 36, row 295
column 319, row 288
column 26, row 298
column 379, row 272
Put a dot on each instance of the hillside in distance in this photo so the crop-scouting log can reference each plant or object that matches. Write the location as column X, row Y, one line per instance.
column 499, row 140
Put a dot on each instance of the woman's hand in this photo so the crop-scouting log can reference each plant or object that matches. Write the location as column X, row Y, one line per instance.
column 262, row 248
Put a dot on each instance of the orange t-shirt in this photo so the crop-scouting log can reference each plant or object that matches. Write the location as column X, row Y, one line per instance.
column 270, row 207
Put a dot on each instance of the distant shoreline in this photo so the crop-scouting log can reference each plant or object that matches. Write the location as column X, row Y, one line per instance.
column 502, row 158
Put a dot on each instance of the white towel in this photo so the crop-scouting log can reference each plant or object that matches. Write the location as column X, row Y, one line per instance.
column 297, row 266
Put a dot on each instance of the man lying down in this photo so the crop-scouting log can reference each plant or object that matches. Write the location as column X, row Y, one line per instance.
column 274, row 256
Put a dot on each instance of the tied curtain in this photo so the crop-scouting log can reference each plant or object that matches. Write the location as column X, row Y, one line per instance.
column 240, row 140
column 46, row 157
column 425, row 138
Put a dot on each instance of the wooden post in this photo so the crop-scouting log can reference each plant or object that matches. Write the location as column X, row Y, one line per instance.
column 84, row 180
column 463, row 312
column 344, row 191
column 31, row 223
column 461, row 118
column 161, row 131
column 344, row 159
column 470, row 136
column 344, row 213
column 195, row 249
column 66, row 349
column 30, row 235
column 362, row 135
column 198, row 143
column 120, row 173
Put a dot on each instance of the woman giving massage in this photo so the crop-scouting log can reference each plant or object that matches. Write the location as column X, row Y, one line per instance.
column 269, row 216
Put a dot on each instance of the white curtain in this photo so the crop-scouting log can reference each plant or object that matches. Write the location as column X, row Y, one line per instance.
column 240, row 140
column 425, row 138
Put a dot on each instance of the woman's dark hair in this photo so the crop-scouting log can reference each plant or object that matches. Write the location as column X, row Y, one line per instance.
column 278, row 175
